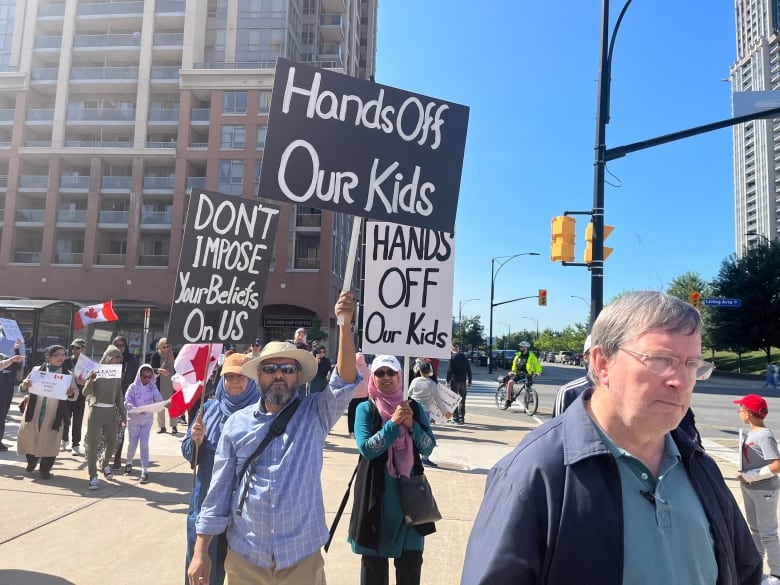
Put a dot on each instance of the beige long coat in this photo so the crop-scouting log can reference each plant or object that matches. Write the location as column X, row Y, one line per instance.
column 41, row 440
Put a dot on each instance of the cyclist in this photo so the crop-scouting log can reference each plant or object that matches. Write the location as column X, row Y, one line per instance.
column 525, row 366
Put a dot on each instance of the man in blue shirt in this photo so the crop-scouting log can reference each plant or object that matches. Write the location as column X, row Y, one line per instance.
column 278, row 534
column 614, row 470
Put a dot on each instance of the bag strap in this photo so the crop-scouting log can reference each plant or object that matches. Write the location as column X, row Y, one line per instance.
column 277, row 428
column 343, row 505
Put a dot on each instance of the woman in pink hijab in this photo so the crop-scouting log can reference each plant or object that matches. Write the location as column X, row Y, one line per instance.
column 391, row 435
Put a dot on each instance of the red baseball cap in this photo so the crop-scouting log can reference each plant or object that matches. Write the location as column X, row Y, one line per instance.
column 755, row 404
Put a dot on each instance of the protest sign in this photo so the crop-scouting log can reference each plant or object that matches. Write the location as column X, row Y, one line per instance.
column 111, row 371
column 446, row 402
column 358, row 147
column 50, row 384
column 408, row 291
column 223, row 269
column 84, row 366
column 152, row 407
column 9, row 333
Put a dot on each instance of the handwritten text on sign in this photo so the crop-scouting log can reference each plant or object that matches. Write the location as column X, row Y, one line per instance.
column 354, row 146
column 408, row 291
column 223, row 268
column 50, row 384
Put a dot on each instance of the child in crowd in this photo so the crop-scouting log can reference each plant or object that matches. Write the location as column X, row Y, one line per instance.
column 760, row 485
column 141, row 392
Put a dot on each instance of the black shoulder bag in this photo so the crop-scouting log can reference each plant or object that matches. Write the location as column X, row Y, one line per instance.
column 277, row 428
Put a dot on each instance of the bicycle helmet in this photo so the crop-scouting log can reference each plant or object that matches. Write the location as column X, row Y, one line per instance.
column 525, row 344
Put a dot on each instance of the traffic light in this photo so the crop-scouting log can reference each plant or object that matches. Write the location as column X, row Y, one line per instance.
column 542, row 297
column 694, row 298
column 562, row 245
column 608, row 229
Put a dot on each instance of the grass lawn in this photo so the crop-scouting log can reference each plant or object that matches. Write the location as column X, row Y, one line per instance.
column 751, row 363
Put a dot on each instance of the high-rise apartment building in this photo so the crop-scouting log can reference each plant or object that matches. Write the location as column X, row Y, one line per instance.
column 111, row 111
column 756, row 143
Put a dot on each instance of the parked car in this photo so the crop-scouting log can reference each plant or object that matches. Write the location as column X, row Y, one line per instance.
column 505, row 357
column 564, row 357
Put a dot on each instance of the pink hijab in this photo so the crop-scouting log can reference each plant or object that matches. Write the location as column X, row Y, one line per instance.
column 400, row 455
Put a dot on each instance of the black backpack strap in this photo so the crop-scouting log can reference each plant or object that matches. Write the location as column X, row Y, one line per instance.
column 277, row 428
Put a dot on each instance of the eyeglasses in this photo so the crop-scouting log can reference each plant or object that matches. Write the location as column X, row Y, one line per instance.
column 384, row 373
column 666, row 365
column 273, row 368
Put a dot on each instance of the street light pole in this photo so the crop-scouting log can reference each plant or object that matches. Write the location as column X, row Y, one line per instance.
column 600, row 162
column 493, row 274
column 537, row 325
column 460, row 320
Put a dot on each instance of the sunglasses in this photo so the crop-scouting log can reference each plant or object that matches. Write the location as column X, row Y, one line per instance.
column 384, row 373
column 273, row 368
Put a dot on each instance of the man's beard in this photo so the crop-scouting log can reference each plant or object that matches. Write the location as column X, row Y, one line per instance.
column 278, row 394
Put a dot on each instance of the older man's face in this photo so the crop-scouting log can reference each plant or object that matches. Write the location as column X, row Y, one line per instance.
column 278, row 387
column 646, row 403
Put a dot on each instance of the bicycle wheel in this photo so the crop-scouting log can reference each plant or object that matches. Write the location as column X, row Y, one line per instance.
column 501, row 397
column 530, row 400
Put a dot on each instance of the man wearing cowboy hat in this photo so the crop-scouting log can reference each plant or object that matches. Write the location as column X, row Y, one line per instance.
column 278, row 534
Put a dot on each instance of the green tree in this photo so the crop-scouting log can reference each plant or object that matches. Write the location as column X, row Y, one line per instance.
column 755, row 279
column 472, row 335
column 316, row 332
column 681, row 287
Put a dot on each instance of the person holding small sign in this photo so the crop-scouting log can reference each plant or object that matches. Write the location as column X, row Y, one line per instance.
column 105, row 401
column 41, row 428
column 142, row 391
column 281, row 487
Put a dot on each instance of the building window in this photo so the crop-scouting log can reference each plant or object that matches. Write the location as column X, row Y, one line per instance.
column 235, row 102
column 264, row 103
column 262, row 131
column 233, row 137
column 231, row 177
column 307, row 252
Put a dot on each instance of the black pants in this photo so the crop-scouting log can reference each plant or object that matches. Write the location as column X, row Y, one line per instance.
column 351, row 410
column 408, row 569
column 46, row 463
column 6, row 398
column 75, row 418
column 460, row 388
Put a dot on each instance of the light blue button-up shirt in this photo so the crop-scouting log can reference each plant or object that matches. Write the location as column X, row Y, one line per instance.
column 283, row 519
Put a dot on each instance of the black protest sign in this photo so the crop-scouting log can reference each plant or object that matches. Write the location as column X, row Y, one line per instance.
column 223, row 269
column 407, row 294
column 349, row 145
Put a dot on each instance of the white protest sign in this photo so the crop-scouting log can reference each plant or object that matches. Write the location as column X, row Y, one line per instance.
column 111, row 371
column 50, row 384
column 9, row 333
column 409, row 275
column 153, row 407
column 84, row 366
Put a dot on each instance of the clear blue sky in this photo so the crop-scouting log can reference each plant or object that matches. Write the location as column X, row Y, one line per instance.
column 528, row 72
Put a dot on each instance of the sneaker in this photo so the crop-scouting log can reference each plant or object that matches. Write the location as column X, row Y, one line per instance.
column 352, row 435
column 144, row 478
column 128, row 469
column 183, row 421
column 94, row 483
column 461, row 421
column 108, row 472
column 770, row 580
column 64, row 446
column 3, row 447
column 161, row 431
column 45, row 474
column 174, row 431
column 76, row 450
column 428, row 463
column 507, row 404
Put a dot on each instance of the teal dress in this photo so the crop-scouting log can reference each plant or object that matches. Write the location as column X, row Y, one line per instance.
column 395, row 535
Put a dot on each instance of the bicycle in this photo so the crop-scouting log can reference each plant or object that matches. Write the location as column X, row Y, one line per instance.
column 523, row 391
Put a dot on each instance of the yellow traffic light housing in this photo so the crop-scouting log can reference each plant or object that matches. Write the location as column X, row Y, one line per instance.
column 562, row 245
column 694, row 298
column 608, row 229
column 542, row 297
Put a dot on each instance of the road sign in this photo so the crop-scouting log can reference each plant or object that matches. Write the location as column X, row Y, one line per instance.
column 721, row 302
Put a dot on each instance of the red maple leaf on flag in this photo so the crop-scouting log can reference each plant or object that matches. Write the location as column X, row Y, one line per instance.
column 198, row 362
column 91, row 313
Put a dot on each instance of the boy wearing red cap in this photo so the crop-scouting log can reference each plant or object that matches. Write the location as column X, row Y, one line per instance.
column 759, row 482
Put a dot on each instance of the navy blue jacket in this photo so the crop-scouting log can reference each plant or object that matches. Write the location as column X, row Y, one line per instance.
column 552, row 512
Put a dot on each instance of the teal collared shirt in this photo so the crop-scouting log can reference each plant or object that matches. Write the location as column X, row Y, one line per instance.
column 666, row 533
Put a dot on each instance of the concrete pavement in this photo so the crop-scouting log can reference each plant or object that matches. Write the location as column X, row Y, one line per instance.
column 58, row 532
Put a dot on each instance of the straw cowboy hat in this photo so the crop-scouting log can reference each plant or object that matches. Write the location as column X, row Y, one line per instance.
column 283, row 349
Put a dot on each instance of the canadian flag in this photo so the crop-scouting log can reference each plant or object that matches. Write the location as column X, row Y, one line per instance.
column 94, row 314
column 194, row 364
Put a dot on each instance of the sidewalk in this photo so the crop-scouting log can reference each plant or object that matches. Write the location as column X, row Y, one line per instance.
column 58, row 532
